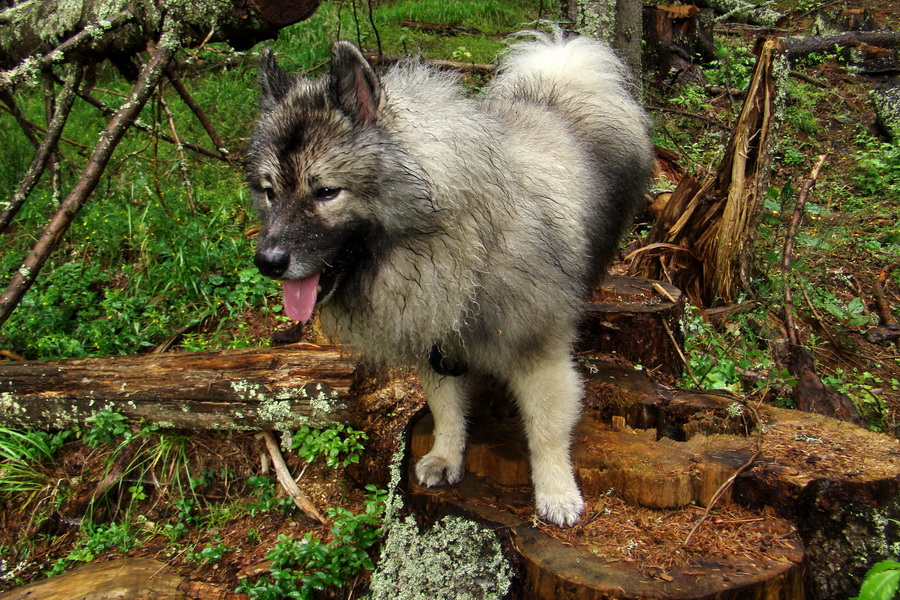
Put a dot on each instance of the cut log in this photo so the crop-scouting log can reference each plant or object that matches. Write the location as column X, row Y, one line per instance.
column 647, row 460
column 263, row 388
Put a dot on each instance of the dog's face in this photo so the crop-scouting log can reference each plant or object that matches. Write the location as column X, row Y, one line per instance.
column 313, row 170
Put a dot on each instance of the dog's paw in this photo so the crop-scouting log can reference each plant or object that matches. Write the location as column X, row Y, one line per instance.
column 438, row 470
column 560, row 509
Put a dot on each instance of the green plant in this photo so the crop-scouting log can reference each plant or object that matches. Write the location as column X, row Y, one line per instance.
column 878, row 166
column 340, row 445
column 94, row 540
column 21, row 456
column 266, row 496
column 302, row 567
column 881, row 582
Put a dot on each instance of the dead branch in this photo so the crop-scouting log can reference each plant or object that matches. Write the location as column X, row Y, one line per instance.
column 182, row 163
column 109, row 111
column 798, row 47
column 29, row 68
column 786, row 261
column 78, row 195
column 46, row 149
column 186, row 97
column 287, row 480
column 810, row 393
column 10, row 106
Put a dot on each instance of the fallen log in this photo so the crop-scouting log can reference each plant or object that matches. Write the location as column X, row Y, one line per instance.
column 261, row 388
column 803, row 518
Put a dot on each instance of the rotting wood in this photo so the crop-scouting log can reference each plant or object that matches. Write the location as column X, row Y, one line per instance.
column 712, row 227
column 629, row 317
column 263, row 388
column 645, row 483
column 123, row 579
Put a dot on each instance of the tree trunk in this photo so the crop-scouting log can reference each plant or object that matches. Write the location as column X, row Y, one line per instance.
column 812, row 503
column 617, row 22
column 703, row 241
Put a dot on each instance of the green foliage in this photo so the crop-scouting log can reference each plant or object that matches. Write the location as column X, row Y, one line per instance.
column 881, row 582
column 94, row 540
column 21, row 456
column 878, row 167
column 719, row 360
column 302, row 567
column 340, row 445
column 732, row 67
column 267, row 496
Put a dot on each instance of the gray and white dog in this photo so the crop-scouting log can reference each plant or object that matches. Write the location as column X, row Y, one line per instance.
column 456, row 235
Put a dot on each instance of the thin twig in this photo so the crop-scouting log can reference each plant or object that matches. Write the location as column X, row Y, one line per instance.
column 198, row 112
column 690, row 116
column 726, row 485
column 796, row 217
column 109, row 111
column 684, row 359
column 10, row 106
column 182, row 163
column 287, row 481
column 45, row 151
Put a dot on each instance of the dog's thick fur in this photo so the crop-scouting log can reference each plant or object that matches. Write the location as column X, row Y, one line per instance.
column 456, row 235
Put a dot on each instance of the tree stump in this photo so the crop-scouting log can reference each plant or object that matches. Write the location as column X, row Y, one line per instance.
column 648, row 462
column 637, row 319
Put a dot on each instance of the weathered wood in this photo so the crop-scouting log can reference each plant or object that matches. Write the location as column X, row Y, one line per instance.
column 629, row 317
column 703, row 243
column 647, row 459
column 124, row 579
column 262, row 388
column 675, row 37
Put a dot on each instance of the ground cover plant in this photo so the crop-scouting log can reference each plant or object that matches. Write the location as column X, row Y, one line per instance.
column 161, row 259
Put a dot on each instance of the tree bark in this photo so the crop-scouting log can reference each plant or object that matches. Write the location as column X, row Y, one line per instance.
column 264, row 388
column 107, row 28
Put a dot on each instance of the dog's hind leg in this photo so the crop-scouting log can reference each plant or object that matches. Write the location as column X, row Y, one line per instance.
column 447, row 399
column 549, row 393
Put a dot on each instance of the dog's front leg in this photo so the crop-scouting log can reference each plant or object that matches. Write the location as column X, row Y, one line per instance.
column 549, row 396
column 448, row 403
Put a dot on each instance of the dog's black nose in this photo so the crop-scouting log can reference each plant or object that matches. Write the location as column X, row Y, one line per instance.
column 273, row 262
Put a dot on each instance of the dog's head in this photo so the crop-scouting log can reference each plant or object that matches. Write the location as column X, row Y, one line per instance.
column 315, row 169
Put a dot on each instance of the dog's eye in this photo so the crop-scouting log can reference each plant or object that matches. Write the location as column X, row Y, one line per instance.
column 327, row 193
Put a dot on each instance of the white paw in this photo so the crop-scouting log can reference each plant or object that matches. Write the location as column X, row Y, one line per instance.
column 563, row 509
column 437, row 470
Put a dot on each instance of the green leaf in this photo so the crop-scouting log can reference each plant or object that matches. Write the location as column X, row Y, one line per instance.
column 881, row 582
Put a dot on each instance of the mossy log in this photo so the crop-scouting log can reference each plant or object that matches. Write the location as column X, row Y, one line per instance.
column 812, row 505
column 262, row 388
column 36, row 28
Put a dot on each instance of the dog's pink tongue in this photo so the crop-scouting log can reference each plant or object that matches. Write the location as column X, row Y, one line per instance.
column 300, row 297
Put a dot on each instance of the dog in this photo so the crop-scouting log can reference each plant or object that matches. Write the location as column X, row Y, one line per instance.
column 453, row 234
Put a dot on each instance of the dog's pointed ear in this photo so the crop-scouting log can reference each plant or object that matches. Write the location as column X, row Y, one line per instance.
column 273, row 81
column 354, row 84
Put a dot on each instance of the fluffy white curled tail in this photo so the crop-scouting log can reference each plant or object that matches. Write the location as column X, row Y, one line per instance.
column 549, row 67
